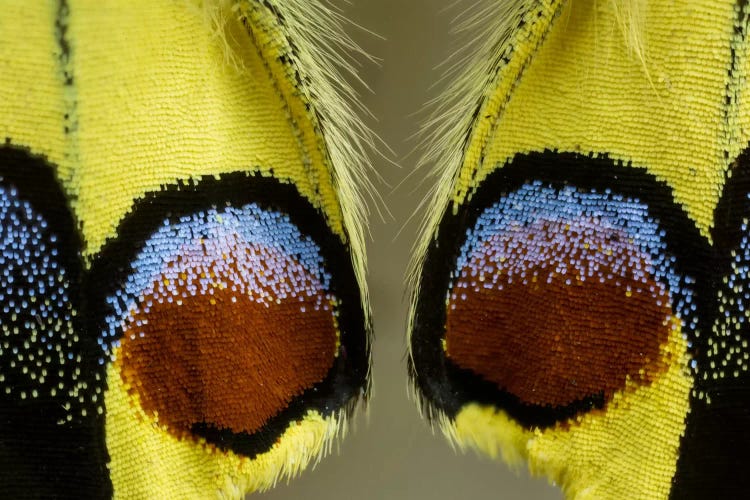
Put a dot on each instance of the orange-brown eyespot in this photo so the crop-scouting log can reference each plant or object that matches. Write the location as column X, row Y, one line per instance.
column 231, row 314
column 553, row 288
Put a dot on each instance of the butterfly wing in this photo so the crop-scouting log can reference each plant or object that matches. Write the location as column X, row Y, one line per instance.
column 567, row 285
column 218, row 289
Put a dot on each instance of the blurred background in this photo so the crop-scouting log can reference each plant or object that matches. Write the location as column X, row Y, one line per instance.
column 392, row 453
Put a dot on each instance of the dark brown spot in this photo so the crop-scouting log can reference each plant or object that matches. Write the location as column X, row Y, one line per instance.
column 553, row 339
column 230, row 363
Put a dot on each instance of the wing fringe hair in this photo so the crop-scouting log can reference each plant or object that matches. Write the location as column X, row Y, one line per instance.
column 327, row 60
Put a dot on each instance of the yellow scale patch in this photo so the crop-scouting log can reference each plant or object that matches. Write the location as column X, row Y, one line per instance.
column 146, row 458
column 31, row 111
column 159, row 98
column 585, row 91
column 626, row 450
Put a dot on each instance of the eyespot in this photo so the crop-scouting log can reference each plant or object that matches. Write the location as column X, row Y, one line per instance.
column 561, row 287
column 562, row 295
column 226, row 318
column 230, row 320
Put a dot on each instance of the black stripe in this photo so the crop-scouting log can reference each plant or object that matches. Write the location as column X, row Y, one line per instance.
column 714, row 457
column 39, row 457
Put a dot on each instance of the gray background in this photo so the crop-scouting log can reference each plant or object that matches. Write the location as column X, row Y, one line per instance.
column 393, row 454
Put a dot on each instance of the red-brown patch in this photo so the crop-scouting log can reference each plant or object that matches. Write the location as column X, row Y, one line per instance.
column 553, row 339
column 233, row 364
